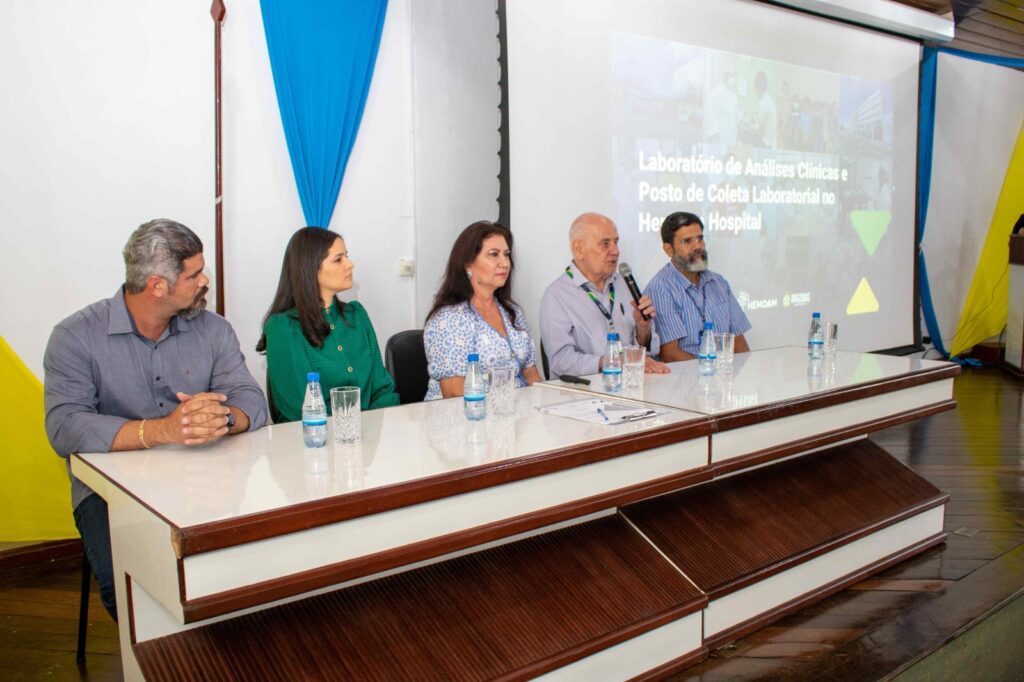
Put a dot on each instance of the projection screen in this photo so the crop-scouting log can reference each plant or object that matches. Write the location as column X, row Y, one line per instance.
column 792, row 137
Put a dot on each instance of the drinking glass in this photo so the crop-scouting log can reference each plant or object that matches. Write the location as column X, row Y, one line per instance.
column 831, row 338
column 348, row 425
column 501, row 394
column 633, row 366
column 725, row 343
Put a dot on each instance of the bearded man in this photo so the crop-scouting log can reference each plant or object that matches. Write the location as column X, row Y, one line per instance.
column 146, row 367
column 687, row 294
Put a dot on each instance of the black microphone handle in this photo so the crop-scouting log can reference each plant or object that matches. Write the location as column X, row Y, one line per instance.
column 635, row 291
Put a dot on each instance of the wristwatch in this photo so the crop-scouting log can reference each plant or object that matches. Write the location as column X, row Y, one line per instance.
column 231, row 420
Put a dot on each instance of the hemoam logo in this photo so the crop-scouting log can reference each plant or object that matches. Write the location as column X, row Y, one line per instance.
column 748, row 303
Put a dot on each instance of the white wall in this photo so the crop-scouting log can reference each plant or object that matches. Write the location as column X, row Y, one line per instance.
column 108, row 122
column 979, row 109
column 455, row 81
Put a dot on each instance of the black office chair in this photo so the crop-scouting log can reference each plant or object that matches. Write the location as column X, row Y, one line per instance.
column 544, row 362
column 406, row 361
column 83, row 609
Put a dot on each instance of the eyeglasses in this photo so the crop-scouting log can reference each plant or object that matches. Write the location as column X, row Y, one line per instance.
column 697, row 239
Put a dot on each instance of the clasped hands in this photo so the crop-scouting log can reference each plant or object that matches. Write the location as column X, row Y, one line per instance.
column 198, row 419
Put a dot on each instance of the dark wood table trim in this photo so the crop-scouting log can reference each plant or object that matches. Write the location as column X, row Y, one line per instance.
column 260, row 526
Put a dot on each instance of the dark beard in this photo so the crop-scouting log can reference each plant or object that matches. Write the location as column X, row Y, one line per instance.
column 197, row 306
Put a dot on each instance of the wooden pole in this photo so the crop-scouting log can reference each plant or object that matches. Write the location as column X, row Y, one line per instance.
column 217, row 11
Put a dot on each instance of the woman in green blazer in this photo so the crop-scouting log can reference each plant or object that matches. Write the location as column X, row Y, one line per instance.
column 307, row 329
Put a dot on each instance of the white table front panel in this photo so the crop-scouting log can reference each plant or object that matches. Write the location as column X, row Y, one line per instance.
column 767, row 434
column 635, row 656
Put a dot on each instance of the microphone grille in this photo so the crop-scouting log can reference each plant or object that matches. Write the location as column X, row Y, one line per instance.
column 625, row 270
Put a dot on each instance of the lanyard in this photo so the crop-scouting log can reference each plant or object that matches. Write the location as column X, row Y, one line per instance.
column 508, row 335
column 593, row 297
column 703, row 302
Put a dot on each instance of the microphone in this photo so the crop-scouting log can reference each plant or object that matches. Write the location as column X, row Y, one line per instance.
column 627, row 275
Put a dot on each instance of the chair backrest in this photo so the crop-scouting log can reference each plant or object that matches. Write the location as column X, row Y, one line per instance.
column 544, row 362
column 406, row 361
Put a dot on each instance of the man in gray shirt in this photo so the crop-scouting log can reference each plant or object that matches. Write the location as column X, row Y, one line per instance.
column 148, row 366
column 589, row 300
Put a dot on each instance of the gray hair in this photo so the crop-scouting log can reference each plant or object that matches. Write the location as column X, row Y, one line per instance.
column 159, row 247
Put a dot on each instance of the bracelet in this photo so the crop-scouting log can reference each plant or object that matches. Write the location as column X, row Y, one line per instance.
column 142, row 434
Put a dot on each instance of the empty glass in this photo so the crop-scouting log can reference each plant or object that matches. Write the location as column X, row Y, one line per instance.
column 724, row 346
column 348, row 426
column 831, row 338
column 501, row 396
column 633, row 366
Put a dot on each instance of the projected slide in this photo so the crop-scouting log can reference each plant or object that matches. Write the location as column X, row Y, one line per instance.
column 789, row 167
column 793, row 137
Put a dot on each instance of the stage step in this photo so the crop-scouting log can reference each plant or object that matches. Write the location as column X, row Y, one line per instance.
column 595, row 597
column 765, row 542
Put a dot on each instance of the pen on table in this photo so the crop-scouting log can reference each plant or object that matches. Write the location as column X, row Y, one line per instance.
column 570, row 379
column 601, row 412
column 642, row 415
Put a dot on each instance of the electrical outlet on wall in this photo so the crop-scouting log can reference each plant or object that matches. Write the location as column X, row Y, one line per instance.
column 406, row 267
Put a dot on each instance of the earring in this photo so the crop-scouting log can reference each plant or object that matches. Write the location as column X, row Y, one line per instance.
column 469, row 273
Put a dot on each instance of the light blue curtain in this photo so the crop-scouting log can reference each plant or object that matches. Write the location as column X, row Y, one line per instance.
column 925, row 141
column 322, row 54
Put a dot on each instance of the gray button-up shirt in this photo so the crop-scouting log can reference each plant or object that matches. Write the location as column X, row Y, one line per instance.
column 575, row 331
column 101, row 372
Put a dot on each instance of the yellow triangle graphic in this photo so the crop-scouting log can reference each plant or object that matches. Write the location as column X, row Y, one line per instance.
column 863, row 300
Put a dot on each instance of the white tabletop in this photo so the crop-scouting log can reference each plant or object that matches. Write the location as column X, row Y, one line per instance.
column 760, row 378
column 269, row 469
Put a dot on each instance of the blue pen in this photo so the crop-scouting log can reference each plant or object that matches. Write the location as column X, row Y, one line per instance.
column 601, row 412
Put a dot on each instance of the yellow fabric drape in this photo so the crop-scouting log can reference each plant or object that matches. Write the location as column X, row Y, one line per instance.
column 35, row 494
column 984, row 313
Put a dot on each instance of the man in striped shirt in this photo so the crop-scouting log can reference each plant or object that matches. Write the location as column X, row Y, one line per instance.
column 687, row 294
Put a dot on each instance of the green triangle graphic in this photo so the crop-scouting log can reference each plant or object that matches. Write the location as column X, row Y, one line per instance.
column 871, row 227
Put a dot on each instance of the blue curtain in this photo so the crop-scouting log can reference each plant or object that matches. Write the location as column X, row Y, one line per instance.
column 322, row 54
column 925, row 141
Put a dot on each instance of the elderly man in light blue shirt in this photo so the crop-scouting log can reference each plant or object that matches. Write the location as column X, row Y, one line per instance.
column 589, row 300
column 145, row 367
column 688, row 294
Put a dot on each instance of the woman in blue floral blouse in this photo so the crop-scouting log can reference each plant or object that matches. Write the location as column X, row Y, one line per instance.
column 473, row 312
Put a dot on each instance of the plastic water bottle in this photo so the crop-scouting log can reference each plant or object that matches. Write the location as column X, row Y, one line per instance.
column 474, row 390
column 611, row 372
column 706, row 355
column 816, row 338
column 314, row 413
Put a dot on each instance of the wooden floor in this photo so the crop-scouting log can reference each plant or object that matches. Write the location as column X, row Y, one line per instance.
column 880, row 627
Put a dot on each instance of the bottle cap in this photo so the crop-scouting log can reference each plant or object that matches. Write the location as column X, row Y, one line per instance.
column 313, row 376
column 473, row 357
column 613, row 337
column 709, row 325
column 817, row 315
